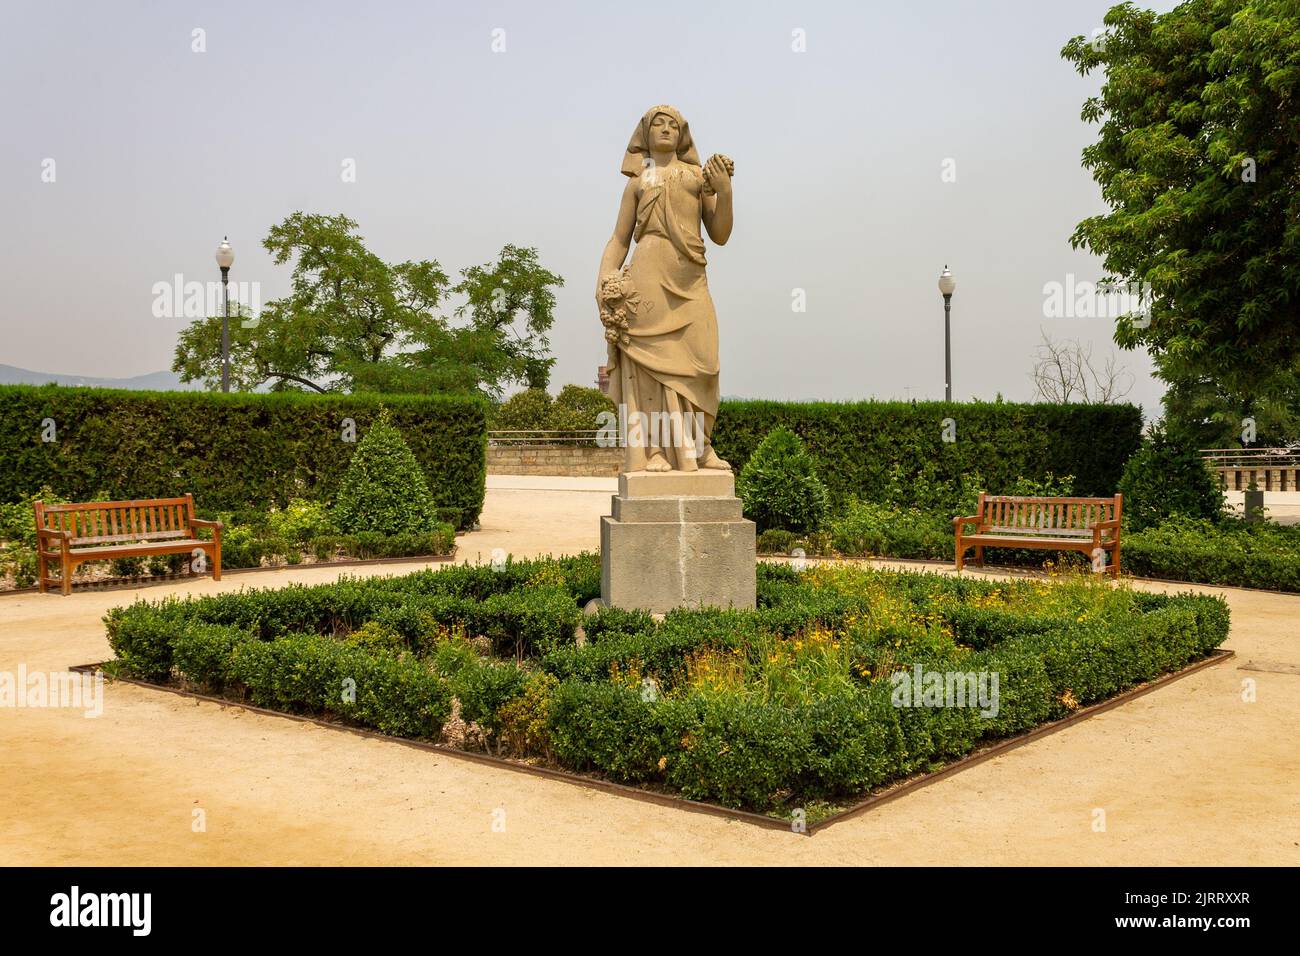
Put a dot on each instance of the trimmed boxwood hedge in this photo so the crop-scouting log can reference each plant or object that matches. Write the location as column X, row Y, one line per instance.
column 746, row 753
column 1233, row 553
column 1054, row 650
column 522, row 616
column 309, row 672
column 854, row 444
column 233, row 452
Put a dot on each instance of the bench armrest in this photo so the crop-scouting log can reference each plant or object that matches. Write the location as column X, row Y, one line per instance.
column 965, row 520
column 216, row 526
column 61, row 539
column 1097, row 527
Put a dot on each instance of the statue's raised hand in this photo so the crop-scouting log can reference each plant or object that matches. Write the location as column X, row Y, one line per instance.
column 717, row 174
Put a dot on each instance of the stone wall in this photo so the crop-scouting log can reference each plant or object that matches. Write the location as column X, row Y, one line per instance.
column 573, row 461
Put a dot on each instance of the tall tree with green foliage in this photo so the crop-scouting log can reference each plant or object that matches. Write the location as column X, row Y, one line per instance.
column 353, row 322
column 347, row 309
column 510, row 301
column 1197, row 415
column 1198, row 157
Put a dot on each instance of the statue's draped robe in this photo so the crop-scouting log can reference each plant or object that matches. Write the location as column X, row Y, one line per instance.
column 669, row 363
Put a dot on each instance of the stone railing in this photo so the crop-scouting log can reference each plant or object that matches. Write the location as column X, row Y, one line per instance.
column 504, row 437
column 1271, row 469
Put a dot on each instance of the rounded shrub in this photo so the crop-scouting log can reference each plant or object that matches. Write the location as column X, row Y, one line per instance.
column 526, row 410
column 384, row 489
column 1165, row 477
column 780, row 487
column 577, row 408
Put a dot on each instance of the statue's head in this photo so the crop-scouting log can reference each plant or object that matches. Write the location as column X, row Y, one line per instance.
column 661, row 130
column 665, row 133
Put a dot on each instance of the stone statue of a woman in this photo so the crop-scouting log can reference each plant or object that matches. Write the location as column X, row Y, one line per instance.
column 657, row 311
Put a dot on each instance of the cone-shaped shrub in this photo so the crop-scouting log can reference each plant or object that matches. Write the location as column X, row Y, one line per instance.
column 1166, row 477
column 779, row 486
column 384, row 488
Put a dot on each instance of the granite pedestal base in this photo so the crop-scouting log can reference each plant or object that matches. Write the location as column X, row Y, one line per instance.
column 676, row 539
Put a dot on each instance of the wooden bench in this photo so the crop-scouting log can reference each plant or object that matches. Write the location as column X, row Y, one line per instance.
column 72, row 534
column 1090, row 525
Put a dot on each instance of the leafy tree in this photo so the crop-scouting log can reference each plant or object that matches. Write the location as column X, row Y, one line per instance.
column 1198, row 414
column 1198, row 157
column 496, row 294
column 384, row 488
column 347, row 308
column 437, row 359
column 198, row 353
column 353, row 322
column 780, row 487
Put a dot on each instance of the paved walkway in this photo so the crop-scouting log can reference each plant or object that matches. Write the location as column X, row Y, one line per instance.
column 1190, row 774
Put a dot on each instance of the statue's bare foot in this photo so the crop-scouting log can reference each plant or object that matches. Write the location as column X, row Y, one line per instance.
column 711, row 460
column 658, row 462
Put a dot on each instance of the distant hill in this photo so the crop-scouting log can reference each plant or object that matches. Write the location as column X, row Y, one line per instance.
column 154, row 381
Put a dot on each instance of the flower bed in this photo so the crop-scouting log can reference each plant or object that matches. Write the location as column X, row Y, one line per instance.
column 843, row 680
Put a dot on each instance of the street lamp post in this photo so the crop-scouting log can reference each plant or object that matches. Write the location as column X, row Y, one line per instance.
column 947, row 285
column 225, row 259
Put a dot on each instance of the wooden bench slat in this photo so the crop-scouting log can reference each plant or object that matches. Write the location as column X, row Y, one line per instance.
column 1018, row 499
column 1017, row 541
column 1063, row 532
column 131, row 550
column 109, row 538
column 101, row 505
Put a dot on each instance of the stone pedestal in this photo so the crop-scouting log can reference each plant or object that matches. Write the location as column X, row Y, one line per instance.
column 676, row 539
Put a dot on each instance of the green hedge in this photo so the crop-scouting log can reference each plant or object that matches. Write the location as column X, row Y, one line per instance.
column 758, row 745
column 233, row 452
column 520, row 613
column 743, row 752
column 854, row 444
column 1232, row 552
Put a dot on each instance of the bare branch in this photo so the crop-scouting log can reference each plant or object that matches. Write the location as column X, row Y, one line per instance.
column 1065, row 371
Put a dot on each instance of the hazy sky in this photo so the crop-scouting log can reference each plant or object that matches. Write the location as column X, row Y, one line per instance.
column 840, row 153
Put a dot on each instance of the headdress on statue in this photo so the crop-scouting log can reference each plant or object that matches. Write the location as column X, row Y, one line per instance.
column 638, row 147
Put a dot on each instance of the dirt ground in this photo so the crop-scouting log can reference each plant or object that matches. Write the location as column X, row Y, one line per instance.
column 1189, row 774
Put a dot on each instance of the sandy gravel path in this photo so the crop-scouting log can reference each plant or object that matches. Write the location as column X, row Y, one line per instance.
column 1190, row 774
